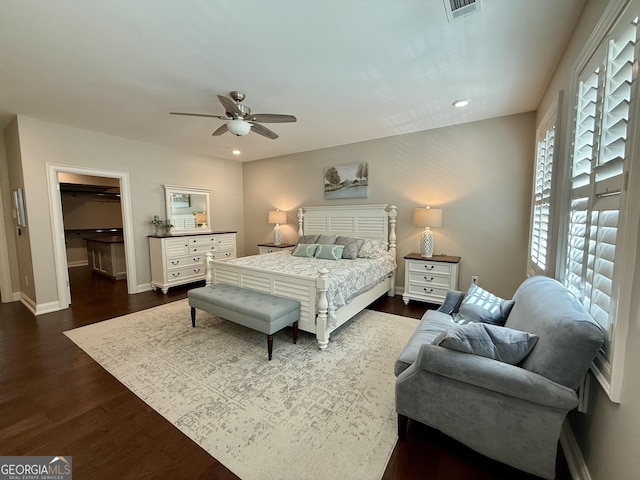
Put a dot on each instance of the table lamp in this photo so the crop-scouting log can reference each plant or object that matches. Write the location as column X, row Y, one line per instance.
column 277, row 217
column 427, row 217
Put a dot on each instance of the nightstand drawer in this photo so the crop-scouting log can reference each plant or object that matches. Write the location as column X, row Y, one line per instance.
column 430, row 279
column 423, row 267
column 428, row 293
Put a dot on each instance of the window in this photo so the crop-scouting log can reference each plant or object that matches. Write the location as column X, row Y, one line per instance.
column 542, row 191
column 600, row 162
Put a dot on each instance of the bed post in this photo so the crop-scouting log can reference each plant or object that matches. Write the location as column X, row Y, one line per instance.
column 300, row 217
column 208, row 277
column 393, row 213
column 322, row 331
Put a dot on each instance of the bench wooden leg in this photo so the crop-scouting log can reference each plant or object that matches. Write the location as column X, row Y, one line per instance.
column 270, row 345
column 193, row 316
column 294, row 333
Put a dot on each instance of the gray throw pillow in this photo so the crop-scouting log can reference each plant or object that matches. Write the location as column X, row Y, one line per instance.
column 482, row 306
column 326, row 239
column 352, row 246
column 308, row 239
column 491, row 341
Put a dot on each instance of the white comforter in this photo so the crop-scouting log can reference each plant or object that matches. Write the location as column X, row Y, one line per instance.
column 347, row 278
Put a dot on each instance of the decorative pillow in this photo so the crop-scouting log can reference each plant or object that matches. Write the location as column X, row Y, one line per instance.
column 491, row 341
column 372, row 249
column 329, row 252
column 305, row 250
column 308, row 239
column 482, row 306
column 352, row 246
column 326, row 239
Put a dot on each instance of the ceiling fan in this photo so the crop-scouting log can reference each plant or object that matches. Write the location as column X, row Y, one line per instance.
column 240, row 120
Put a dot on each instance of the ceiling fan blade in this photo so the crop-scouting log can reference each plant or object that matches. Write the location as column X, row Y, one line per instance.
column 273, row 118
column 220, row 130
column 229, row 105
column 197, row 115
column 264, row 131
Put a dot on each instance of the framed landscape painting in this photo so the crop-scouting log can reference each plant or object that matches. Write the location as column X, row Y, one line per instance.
column 346, row 181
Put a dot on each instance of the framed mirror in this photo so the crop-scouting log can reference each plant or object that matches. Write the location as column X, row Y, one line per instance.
column 187, row 209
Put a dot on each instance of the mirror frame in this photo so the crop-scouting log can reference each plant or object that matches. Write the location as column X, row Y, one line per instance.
column 170, row 191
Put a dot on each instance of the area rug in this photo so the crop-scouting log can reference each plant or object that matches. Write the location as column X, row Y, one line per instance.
column 306, row 414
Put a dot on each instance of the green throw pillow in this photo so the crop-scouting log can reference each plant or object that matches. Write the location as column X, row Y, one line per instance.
column 305, row 250
column 329, row 252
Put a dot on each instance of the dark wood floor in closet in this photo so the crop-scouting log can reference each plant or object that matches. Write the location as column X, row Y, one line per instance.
column 55, row 400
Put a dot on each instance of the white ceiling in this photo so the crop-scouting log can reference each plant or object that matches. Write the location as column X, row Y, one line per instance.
column 350, row 70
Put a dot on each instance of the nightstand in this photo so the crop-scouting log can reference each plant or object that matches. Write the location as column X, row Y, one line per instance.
column 270, row 247
column 428, row 279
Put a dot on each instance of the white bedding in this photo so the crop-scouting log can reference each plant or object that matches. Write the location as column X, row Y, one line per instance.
column 347, row 278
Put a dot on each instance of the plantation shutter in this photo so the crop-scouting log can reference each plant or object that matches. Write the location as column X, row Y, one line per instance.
column 542, row 201
column 597, row 177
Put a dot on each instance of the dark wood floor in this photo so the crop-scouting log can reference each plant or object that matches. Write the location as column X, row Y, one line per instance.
column 55, row 400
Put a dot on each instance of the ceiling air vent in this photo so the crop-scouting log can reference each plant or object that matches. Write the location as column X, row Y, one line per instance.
column 460, row 8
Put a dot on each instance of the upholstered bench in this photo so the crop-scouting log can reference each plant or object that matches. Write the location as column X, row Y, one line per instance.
column 256, row 310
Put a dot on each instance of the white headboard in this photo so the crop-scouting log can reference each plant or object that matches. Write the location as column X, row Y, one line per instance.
column 364, row 221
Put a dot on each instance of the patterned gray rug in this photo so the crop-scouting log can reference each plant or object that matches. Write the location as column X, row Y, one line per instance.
column 306, row 414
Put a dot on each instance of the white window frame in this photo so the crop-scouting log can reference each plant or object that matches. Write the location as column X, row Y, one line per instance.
column 609, row 369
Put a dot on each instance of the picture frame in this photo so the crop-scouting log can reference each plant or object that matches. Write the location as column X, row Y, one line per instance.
column 346, row 181
column 18, row 202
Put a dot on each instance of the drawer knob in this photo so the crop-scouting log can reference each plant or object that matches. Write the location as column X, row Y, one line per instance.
column 429, row 267
column 196, row 270
column 197, row 259
column 175, row 262
column 428, row 279
column 430, row 290
column 176, row 275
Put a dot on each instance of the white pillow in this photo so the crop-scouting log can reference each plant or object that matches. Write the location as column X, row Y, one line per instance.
column 373, row 249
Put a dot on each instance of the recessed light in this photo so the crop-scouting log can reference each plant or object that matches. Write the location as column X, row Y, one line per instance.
column 236, row 152
column 460, row 103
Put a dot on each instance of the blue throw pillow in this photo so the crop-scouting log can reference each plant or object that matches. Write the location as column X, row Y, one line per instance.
column 482, row 306
column 491, row 341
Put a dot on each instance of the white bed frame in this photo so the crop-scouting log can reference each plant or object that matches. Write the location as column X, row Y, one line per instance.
column 364, row 221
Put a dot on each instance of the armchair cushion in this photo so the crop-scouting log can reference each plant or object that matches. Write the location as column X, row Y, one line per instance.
column 491, row 341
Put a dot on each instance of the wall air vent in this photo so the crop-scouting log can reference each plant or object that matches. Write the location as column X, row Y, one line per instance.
column 460, row 8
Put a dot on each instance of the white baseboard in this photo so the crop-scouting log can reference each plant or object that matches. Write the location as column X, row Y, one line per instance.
column 78, row 263
column 39, row 308
column 28, row 302
column 144, row 287
column 13, row 297
column 572, row 454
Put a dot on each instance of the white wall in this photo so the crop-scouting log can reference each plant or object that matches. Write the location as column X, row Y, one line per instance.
column 149, row 167
column 480, row 174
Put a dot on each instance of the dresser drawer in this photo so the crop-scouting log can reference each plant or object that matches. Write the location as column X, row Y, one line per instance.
column 201, row 240
column 203, row 248
column 180, row 262
column 223, row 255
column 179, row 275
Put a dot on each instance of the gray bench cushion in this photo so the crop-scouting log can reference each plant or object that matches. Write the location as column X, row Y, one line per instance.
column 257, row 310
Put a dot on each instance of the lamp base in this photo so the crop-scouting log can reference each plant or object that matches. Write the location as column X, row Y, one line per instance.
column 277, row 235
column 426, row 243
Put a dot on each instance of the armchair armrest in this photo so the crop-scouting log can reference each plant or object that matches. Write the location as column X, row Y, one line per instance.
column 491, row 375
column 452, row 302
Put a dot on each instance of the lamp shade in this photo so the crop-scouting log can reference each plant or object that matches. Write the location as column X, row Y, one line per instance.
column 427, row 217
column 238, row 127
column 277, row 216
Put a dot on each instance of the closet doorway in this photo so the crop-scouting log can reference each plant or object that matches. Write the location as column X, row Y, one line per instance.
column 89, row 203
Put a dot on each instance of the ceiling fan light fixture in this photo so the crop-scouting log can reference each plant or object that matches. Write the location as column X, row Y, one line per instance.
column 238, row 127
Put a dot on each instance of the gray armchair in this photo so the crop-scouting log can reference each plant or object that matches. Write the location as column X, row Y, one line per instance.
column 511, row 413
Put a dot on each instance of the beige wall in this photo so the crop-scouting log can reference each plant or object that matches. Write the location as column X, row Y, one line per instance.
column 10, row 286
column 608, row 434
column 479, row 173
column 148, row 166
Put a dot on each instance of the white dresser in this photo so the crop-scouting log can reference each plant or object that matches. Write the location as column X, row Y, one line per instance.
column 176, row 260
column 428, row 279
